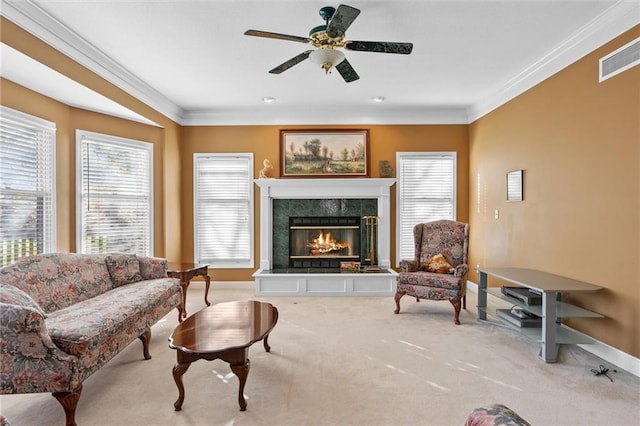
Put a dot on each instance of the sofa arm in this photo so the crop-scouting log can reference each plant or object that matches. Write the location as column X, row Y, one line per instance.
column 409, row 265
column 461, row 270
column 30, row 361
column 153, row 267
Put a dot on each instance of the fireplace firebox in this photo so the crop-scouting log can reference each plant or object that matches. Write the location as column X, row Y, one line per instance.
column 323, row 242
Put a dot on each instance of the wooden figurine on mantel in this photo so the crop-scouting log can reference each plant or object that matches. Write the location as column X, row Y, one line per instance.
column 267, row 170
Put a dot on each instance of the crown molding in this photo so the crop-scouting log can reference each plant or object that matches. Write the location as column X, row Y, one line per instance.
column 614, row 21
column 42, row 25
column 27, row 72
column 330, row 116
column 620, row 17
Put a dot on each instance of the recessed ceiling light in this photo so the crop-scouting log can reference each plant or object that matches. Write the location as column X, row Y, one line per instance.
column 377, row 99
column 268, row 99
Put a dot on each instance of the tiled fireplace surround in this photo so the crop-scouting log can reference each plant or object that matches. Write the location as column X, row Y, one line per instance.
column 282, row 198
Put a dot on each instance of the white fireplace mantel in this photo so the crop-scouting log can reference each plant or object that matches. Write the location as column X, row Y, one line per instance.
column 268, row 283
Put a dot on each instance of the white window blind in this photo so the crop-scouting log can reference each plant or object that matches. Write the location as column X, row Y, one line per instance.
column 115, row 194
column 223, row 186
column 27, row 179
column 426, row 191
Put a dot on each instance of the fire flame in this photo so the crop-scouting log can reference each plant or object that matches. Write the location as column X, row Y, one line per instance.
column 325, row 243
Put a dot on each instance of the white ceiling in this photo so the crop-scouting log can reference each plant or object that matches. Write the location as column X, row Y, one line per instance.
column 191, row 61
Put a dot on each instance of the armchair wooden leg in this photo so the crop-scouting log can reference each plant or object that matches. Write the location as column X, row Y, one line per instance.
column 464, row 302
column 397, row 299
column 456, row 310
column 69, row 401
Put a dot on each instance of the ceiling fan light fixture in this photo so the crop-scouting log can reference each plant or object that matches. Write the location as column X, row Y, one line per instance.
column 377, row 99
column 326, row 58
column 327, row 38
column 268, row 99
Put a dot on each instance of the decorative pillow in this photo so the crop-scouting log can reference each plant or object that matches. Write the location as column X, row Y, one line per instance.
column 14, row 296
column 152, row 268
column 438, row 264
column 123, row 268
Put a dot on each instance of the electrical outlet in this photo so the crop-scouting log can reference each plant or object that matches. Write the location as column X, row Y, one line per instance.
column 496, row 213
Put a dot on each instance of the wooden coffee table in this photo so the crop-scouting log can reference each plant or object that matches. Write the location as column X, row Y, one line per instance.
column 223, row 331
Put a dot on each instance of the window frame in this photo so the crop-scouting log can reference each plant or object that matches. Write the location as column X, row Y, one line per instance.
column 248, row 263
column 400, row 157
column 49, row 221
column 120, row 141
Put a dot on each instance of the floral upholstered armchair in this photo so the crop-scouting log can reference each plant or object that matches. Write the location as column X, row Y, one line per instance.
column 439, row 270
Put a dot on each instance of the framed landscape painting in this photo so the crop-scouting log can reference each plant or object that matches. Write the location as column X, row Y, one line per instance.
column 324, row 153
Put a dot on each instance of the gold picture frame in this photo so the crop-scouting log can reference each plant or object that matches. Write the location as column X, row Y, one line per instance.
column 329, row 153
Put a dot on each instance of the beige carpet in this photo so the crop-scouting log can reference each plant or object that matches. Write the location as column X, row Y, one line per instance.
column 349, row 361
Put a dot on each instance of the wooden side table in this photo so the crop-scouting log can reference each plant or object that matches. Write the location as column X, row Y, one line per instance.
column 185, row 272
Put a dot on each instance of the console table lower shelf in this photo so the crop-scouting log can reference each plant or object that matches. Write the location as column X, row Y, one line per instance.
column 552, row 332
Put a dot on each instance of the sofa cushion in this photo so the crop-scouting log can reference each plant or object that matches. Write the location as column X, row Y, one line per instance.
column 123, row 268
column 14, row 296
column 57, row 280
column 153, row 267
column 97, row 329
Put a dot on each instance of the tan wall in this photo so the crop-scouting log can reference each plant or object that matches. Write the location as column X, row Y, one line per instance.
column 67, row 120
column 164, row 138
column 263, row 142
column 578, row 142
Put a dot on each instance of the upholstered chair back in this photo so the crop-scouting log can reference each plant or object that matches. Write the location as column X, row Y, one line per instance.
column 446, row 237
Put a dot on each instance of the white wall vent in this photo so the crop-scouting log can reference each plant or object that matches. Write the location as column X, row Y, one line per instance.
column 620, row 60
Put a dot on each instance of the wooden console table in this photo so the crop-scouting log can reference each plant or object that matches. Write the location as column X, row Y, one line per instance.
column 185, row 272
column 552, row 310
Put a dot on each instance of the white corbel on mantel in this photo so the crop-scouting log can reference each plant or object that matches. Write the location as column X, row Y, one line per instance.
column 326, row 284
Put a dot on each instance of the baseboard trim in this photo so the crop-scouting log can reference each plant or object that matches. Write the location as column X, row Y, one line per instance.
column 607, row 352
column 614, row 356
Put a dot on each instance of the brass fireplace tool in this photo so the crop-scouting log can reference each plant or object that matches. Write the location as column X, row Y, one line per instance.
column 371, row 228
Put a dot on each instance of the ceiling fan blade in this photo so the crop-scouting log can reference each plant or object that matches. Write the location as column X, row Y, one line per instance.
column 380, row 46
column 347, row 72
column 291, row 62
column 341, row 20
column 258, row 33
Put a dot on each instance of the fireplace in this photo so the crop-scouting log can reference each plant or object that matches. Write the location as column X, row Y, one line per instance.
column 283, row 210
column 323, row 242
column 347, row 199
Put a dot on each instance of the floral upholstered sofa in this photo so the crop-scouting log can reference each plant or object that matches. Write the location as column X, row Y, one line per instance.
column 64, row 315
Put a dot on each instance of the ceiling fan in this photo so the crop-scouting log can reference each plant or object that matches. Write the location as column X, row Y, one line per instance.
column 330, row 36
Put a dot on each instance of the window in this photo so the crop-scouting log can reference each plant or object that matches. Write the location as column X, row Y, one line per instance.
column 426, row 191
column 223, row 206
column 27, row 179
column 114, row 210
